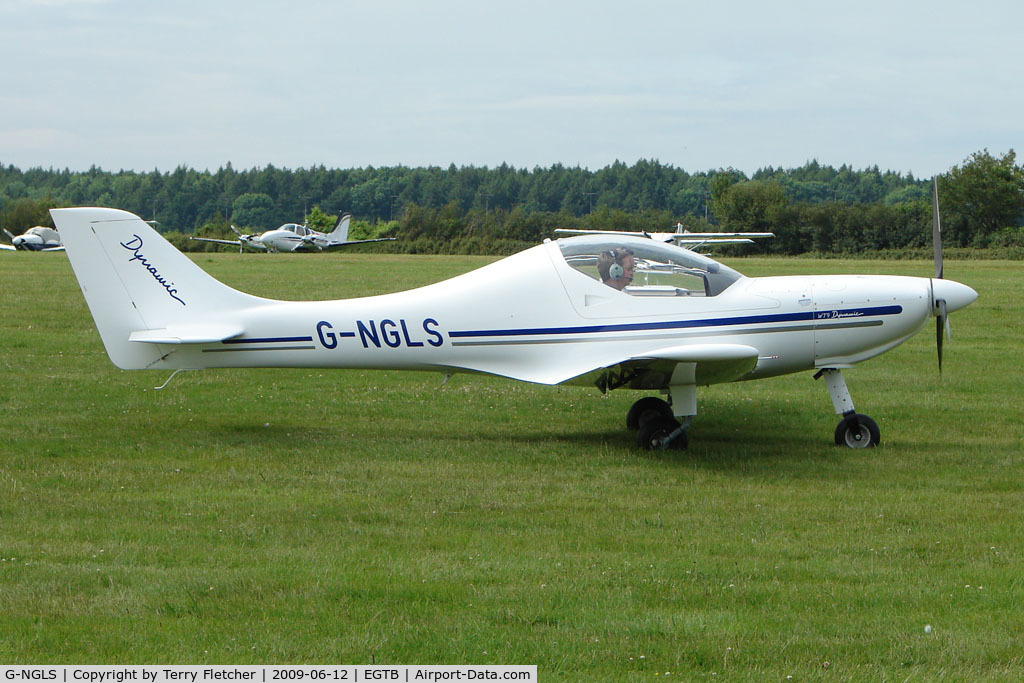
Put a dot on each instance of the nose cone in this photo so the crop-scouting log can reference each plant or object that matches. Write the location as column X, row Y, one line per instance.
column 955, row 295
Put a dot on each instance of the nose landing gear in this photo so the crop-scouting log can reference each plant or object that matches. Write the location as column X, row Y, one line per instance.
column 857, row 431
column 854, row 430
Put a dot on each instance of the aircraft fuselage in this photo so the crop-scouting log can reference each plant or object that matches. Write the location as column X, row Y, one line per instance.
column 471, row 323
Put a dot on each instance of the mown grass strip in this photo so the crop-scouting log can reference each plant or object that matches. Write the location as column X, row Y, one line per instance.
column 321, row 516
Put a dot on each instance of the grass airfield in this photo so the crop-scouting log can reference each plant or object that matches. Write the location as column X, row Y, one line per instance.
column 321, row 516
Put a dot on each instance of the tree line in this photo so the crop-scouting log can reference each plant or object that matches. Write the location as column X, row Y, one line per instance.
column 813, row 208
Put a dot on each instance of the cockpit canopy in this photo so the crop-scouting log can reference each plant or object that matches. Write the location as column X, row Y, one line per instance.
column 662, row 269
column 300, row 230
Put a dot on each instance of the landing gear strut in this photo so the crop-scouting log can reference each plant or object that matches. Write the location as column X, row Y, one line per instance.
column 655, row 422
column 663, row 433
column 854, row 430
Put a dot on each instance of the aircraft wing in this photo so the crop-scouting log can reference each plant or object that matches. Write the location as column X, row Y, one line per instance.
column 336, row 245
column 233, row 243
column 728, row 240
column 686, row 364
column 680, row 238
column 571, row 231
column 711, row 363
column 8, row 247
column 710, row 235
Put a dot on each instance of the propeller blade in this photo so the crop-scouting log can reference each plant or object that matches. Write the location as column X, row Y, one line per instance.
column 942, row 317
column 936, row 229
column 941, row 321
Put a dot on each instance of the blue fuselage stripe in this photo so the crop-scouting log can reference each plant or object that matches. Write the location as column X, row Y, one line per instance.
column 267, row 340
column 683, row 324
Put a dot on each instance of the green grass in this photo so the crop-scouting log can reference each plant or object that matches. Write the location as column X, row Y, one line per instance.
column 305, row 516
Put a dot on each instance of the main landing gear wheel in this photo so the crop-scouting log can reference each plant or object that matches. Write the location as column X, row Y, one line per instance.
column 645, row 409
column 661, row 433
column 857, row 431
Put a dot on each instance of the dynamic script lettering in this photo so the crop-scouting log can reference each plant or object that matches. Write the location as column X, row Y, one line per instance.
column 134, row 245
column 832, row 315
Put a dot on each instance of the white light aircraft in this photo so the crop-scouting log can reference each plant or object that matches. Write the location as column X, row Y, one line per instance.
column 681, row 236
column 540, row 316
column 34, row 239
column 295, row 237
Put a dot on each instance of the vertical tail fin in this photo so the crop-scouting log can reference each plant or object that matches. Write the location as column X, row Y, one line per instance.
column 136, row 282
column 340, row 232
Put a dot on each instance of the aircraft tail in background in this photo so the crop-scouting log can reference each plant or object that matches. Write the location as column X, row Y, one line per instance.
column 340, row 232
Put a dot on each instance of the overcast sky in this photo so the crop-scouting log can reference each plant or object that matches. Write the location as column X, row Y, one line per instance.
column 912, row 87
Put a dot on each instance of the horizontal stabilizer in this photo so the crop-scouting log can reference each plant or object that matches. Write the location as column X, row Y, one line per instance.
column 187, row 334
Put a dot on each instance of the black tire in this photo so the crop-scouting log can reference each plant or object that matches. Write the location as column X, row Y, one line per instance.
column 652, row 432
column 858, row 431
column 653, row 414
column 647, row 403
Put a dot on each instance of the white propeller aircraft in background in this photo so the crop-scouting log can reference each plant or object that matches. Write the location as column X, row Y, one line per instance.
column 295, row 237
column 34, row 239
column 681, row 236
column 542, row 315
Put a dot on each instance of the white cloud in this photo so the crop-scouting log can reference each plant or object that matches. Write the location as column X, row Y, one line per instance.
column 143, row 85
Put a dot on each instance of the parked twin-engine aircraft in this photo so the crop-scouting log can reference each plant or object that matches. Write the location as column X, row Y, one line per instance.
column 543, row 315
column 681, row 236
column 34, row 239
column 295, row 237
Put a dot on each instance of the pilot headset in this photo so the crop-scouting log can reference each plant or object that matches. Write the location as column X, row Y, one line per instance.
column 616, row 271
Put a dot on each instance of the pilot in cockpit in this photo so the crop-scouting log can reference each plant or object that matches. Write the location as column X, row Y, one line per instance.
column 616, row 267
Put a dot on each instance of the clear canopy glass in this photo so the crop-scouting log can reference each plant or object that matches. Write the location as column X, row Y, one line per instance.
column 662, row 269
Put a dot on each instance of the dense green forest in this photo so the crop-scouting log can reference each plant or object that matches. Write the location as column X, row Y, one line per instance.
column 813, row 208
